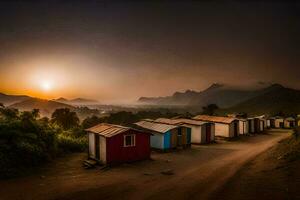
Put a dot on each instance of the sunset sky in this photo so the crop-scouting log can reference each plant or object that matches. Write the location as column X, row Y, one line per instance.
column 119, row 52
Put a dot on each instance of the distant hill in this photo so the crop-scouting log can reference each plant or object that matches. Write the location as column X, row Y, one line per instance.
column 11, row 99
column 219, row 94
column 46, row 107
column 77, row 101
column 271, row 100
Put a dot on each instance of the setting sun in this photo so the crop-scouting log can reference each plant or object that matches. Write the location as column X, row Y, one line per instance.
column 46, row 85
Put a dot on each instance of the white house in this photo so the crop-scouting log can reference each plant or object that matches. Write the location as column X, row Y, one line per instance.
column 278, row 122
column 289, row 122
column 224, row 126
column 201, row 132
column 244, row 126
column 166, row 136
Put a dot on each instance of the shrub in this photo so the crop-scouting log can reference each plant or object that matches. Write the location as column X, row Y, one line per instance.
column 68, row 143
column 292, row 153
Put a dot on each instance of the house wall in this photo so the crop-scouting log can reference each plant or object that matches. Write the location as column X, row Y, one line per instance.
column 203, row 134
column 91, row 139
column 167, row 140
column 196, row 133
column 256, row 125
column 266, row 126
column 243, row 126
column 268, row 123
column 250, row 123
column 186, row 135
column 252, row 126
column 189, row 136
column 174, row 138
column 222, row 130
column 102, row 146
column 213, row 132
column 287, row 124
column 157, row 140
column 117, row 153
column 199, row 133
column 262, row 125
column 277, row 122
column 231, row 130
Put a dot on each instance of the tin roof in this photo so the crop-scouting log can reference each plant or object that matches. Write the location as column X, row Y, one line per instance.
column 243, row 119
column 180, row 121
column 289, row 119
column 155, row 126
column 217, row 119
column 107, row 130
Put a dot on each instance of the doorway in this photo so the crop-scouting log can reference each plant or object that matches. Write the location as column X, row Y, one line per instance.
column 249, row 126
column 208, row 133
column 235, row 129
column 97, row 147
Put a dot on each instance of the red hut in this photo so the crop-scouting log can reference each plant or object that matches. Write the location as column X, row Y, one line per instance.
column 113, row 144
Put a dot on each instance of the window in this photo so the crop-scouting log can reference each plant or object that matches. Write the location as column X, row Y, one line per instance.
column 129, row 140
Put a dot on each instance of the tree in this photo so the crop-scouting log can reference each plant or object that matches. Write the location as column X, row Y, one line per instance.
column 25, row 142
column 65, row 118
column 91, row 121
column 9, row 113
column 209, row 109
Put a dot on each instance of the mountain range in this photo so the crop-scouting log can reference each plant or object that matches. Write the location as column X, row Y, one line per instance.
column 7, row 100
column 46, row 107
column 272, row 101
column 77, row 101
column 219, row 94
column 269, row 100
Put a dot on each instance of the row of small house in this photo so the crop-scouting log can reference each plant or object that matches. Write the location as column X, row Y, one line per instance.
column 112, row 144
column 280, row 122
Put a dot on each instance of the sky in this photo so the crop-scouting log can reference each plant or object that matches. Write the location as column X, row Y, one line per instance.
column 117, row 52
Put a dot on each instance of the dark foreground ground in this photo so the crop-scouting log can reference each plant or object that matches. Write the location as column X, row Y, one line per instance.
column 202, row 172
column 273, row 175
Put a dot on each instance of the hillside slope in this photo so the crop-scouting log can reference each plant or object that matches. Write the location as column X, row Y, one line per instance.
column 221, row 95
column 11, row 99
column 46, row 107
column 271, row 101
column 77, row 101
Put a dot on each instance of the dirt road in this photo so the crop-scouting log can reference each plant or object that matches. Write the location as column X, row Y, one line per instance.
column 272, row 175
column 191, row 174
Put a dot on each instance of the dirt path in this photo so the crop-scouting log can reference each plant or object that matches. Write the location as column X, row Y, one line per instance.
column 269, row 176
column 198, row 172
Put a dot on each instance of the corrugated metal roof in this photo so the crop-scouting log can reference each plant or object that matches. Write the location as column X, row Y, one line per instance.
column 242, row 119
column 107, row 130
column 290, row 119
column 166, row 121
column 180, row 121
column 190, row 121
column 155, row 126
column 226, row 120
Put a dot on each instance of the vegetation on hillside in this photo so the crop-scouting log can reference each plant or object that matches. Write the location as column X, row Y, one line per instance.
column 276, row 99
column 27, row 141
column 293, row 151
column 128, row 118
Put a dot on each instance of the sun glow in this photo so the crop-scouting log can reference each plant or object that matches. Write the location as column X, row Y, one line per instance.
column 46, row 86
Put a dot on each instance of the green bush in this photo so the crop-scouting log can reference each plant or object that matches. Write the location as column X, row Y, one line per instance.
column 68, row 143
column 26, row 141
